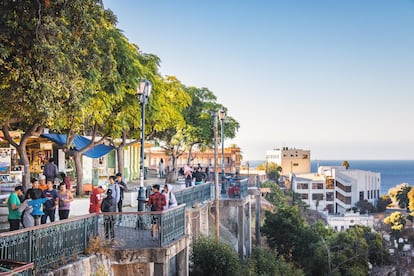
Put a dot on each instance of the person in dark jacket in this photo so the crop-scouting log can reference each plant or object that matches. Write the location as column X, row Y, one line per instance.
column 108, row 205
column 50, row 170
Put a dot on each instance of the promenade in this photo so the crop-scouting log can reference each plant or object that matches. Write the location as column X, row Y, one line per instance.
column 80, row 206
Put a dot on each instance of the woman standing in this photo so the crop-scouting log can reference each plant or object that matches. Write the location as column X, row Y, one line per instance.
column 162, row 168
column 65, row 198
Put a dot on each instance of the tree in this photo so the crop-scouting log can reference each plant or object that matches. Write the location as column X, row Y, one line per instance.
column 383, row 202
column 397, row 222
column 212, row 257
column 40, row 54
column 196, row 128
column 402, row 196
column 345, row 164
column 265, row 261
column 365, row 207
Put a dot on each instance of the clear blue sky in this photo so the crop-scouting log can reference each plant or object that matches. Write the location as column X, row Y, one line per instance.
column 332, row 76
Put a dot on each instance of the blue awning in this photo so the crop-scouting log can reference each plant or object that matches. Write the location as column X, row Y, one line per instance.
column 79, row 143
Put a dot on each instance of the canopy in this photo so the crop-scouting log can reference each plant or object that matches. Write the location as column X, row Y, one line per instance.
column 79, row 143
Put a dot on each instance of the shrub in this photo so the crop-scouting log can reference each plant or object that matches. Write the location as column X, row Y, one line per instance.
column 211, row 257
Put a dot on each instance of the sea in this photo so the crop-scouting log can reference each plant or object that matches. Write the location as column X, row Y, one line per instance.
column 393, row 172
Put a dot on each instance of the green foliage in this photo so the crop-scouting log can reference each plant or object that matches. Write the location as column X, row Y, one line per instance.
column 349, row 252
column 365, row 207
column 276, row 195
column 283, row 229
column 265, row 262
column 402, row 196
column 210, row 257
column 383, row 202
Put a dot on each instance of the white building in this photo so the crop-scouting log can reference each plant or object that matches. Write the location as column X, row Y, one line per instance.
column 336, row 189
column 291, row 160
column 347, row 220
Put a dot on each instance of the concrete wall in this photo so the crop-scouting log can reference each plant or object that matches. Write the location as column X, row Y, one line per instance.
column 91, row 265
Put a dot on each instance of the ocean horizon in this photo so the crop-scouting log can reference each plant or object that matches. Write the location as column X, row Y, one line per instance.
column 393, row 172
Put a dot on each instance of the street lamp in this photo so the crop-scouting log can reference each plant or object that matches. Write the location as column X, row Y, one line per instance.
column 216, row 182
column 222, row 116
column 143, row 94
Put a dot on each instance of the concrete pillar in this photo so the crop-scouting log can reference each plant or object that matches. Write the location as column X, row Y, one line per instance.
column 248, row 226
column 240, row 230
column 182, row 263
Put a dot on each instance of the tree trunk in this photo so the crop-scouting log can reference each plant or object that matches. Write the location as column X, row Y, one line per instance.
column 120, row 158
column 171, row 176
column 77, row 156
column 24, row 159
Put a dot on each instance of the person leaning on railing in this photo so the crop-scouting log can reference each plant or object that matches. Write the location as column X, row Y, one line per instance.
column 156, row 202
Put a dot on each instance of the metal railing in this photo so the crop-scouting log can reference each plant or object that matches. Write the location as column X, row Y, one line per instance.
column 234, row 188
column 54, row 244
column 47, row 244
column 135, row 229
column 195, row 194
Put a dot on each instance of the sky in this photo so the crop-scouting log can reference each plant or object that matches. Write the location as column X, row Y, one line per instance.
column 335, row 77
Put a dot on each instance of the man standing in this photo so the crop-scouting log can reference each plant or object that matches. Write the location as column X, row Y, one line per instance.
column 116, row 191
column 13, row 204
column 50, row 170
column 157, row 202
column 49, row 207
column 122, row 188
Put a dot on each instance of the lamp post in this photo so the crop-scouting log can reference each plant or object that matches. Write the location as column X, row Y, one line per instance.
column 143, row 93
column 222, row 116
column 216, row 182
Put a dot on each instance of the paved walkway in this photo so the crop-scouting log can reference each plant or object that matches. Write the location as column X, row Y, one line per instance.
column 80, row 206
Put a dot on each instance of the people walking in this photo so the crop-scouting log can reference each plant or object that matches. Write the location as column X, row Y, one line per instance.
column 49, row 207
column 108, row 205
column 13, row 204
column 65, row 198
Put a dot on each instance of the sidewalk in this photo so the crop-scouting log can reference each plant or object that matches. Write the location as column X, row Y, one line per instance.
column 80, row 206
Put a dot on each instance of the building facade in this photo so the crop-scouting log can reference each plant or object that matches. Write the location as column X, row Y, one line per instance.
column 232, row 159
column 291, row 160
column 336, row 189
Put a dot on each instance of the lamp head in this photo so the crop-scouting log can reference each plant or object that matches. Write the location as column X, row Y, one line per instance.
column 222, row 114
column 144, row 90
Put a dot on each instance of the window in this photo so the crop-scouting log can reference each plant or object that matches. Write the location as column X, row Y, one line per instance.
column 361, row 196
column 330, row 196
column 304, row 196
column 302, row 186
column 295, row 164
column 317, row 186
column 317, row 196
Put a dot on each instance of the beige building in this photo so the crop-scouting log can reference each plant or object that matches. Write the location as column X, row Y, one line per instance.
column 232, row 159
column 291, row 160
